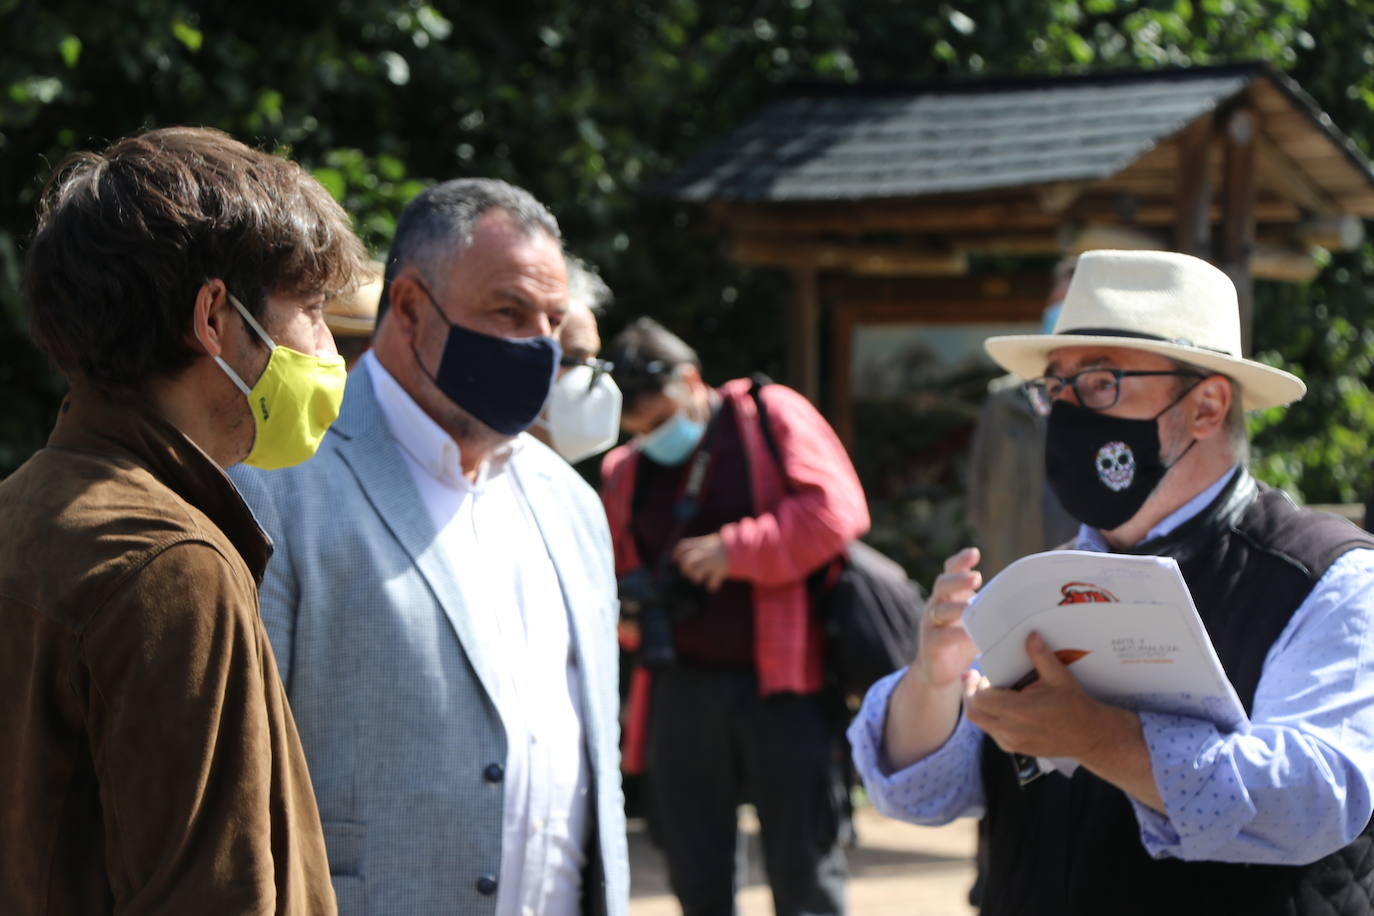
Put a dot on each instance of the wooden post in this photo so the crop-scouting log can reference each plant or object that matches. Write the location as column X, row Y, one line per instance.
column 1192, row 208
column 1235, row 240
column 803, row 341
column 841, row 370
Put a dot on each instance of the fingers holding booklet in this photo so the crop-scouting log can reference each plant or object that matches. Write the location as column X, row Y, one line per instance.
column 1124, row 627
column 1048, row 721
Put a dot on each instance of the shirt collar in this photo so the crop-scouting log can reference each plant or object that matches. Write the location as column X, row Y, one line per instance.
column 1091, row 539
column 424, row 440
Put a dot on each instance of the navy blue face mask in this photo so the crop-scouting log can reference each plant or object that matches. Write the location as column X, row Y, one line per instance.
column 501, row 381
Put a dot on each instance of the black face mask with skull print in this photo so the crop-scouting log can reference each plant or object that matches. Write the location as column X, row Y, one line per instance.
column 1103, row 468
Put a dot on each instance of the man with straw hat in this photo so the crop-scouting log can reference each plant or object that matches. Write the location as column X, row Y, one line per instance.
column 1145, row 392
column 352, row 315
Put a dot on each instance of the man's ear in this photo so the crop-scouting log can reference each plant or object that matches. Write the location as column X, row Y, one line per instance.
column 209, row 316
column 404, row 300
column 1211, row 404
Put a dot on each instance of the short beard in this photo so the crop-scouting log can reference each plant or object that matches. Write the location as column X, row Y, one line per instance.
column 466, row 430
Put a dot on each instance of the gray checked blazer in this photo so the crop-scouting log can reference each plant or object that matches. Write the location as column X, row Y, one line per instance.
column 387, row 683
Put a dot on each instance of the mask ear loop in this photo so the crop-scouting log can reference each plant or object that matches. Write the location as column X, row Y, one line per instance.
column 442, row 317
column 1172, row 404
column 252, row 323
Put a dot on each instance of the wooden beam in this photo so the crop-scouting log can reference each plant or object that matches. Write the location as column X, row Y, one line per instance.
column 854, row 257
column 1271, row 258
column 1031, row 242
column 994, row 298
column 850, row 219
column 1282, row 263
column 1105, row 235
column 1158, row 212
column 1058, row 196
column 1235, row 239
column 986, row 288
column 1334, row 233
column 946, row 215
column 804, row 335
column 1291, row 180
column 1193, row 196
column 953, row 311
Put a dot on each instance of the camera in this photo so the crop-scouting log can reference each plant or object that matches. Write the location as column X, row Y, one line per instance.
column 656, row 603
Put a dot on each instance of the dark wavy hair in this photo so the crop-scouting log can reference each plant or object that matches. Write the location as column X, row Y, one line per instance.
column 126, row 238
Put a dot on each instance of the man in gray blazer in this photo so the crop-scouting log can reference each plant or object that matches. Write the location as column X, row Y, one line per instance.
column 442, row 602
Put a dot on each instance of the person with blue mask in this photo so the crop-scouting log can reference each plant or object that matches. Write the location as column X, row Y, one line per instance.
column 442, row 602
column 1011, row 508
column 721, row 507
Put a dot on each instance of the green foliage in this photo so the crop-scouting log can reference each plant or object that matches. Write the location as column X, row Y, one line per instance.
column 583, row 103
column 1319, row 448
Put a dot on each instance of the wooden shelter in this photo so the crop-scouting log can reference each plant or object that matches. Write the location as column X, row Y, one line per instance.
column 877, row 199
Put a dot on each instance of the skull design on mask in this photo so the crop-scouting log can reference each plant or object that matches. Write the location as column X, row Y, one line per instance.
column 1116, row 465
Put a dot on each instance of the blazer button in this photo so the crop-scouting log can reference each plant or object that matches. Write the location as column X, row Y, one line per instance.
column 494, row 772
column 486, row 885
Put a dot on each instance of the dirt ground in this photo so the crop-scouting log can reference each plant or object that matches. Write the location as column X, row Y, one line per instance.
column 896, row 868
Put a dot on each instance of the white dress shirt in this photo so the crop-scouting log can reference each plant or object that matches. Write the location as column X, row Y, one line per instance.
column 494, row 548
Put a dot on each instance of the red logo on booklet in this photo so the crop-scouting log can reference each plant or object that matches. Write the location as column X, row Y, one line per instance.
column 1084, row 593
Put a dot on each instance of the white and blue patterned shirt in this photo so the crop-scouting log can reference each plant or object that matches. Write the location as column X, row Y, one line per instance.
column 1294, row 788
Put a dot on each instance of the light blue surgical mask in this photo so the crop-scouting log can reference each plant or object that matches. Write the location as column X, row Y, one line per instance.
column 1050, row 317
column 672, row 441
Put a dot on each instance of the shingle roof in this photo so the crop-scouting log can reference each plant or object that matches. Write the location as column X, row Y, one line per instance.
column 855, row 143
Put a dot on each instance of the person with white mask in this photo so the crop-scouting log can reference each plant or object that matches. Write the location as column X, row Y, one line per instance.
column 582, row 417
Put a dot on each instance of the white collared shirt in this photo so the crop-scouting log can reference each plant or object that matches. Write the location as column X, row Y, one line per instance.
column 494, row 548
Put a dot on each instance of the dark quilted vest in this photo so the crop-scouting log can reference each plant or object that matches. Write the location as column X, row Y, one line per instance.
column 1071, row 847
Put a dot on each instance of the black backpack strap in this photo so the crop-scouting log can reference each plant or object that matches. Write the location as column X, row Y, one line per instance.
column 822, row 578
column 757, row 381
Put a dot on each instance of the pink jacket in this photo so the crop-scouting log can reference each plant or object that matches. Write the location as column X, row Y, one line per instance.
column 800, row 524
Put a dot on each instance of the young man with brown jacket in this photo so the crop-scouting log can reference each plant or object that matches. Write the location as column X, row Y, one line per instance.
column 151, row 763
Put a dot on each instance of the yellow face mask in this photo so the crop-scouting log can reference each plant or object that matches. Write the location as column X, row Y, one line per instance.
column 293, row 402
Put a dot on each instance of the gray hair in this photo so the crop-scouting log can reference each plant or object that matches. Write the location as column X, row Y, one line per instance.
column 1234, row 428
column 437, row 225
column 586, row 289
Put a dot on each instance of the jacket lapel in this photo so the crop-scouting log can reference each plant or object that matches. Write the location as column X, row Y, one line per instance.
column 549, row 507
column 368, row 448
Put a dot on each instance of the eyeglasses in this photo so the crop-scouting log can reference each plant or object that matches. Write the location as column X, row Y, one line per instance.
column 1095, row 389
column 599, row 367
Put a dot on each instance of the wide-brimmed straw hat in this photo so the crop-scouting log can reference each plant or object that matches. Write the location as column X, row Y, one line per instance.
column 354, row 313
column 1160, row 302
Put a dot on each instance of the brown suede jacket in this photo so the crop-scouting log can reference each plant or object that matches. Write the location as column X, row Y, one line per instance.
column 148, row 760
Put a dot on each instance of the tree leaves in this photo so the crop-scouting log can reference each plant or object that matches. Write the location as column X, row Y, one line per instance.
column 584, row 103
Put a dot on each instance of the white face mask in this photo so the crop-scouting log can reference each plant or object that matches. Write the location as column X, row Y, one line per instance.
column 583, row 413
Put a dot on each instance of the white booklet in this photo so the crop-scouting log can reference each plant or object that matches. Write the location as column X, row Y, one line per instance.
column 1125, row 625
